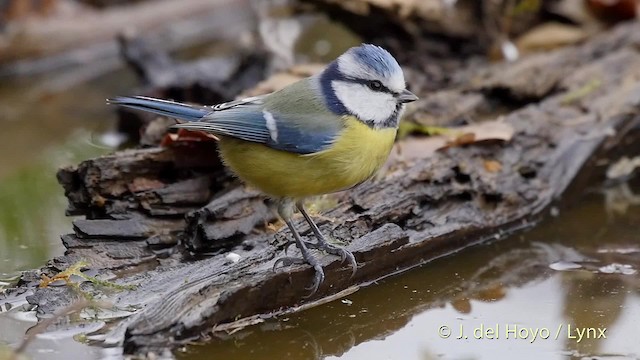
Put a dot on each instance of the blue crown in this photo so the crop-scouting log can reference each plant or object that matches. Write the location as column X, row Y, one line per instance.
column 377, row 59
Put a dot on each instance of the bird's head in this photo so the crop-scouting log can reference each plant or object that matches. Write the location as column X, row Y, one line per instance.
column 367, row 82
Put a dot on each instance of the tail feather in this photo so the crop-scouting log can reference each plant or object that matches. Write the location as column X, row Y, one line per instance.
column 162, row 107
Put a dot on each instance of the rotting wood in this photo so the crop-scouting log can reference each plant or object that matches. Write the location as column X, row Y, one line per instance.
column 74, row 34
column 423, row 208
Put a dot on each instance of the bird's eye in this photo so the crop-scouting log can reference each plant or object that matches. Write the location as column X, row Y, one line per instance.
column 375, row 85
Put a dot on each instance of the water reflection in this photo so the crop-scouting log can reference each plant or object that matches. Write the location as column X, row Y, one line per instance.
column 45, row 128
column 500, row 286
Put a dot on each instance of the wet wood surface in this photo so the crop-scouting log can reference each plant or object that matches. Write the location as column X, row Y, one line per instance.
column 165, row 219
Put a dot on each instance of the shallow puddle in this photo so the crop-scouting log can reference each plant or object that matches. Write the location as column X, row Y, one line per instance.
column 568, row 289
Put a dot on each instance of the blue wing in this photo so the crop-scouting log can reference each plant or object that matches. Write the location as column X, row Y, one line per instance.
column 246, row 119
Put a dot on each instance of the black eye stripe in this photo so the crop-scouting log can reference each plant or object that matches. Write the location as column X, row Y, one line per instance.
column 383, row 88
column 367, row 83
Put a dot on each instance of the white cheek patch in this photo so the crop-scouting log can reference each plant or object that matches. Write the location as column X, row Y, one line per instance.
column 366, row 104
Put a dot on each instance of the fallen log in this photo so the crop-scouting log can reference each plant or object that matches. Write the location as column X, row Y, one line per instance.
column 73, row 34
column 427, row 204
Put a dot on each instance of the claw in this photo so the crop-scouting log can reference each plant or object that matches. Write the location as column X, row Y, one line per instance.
column 307, row 257
column 287, row 261
column 348, row 255
column 323, row 245
column 343, row 253
column 318, row 279
column 287, row 246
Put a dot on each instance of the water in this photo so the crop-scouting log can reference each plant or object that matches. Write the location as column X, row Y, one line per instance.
column 513, row 299
column 45, row 127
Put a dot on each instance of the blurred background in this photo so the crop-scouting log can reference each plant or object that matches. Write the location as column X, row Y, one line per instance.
column 60, row 60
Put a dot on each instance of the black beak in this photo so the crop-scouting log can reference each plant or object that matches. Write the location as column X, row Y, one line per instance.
column 406, row 96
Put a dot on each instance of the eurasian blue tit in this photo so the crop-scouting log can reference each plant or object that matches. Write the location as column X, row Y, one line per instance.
column 323, row 134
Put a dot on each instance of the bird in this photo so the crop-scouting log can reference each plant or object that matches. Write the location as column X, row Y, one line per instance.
column 323, row 134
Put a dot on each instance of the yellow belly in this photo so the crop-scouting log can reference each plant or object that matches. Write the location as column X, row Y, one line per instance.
column 354, row 157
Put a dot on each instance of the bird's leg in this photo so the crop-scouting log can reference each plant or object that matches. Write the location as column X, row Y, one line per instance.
column 322, row 243
column 306, row 254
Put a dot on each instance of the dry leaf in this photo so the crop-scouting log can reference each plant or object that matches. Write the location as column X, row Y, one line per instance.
column 623, row 168
column 492, row 166
column 65, row 275
column 463, row 139
column 185, row 136
column 413, row 147
column 485, row 131
column 462, row 306
column 549, row 36
column 494, row 293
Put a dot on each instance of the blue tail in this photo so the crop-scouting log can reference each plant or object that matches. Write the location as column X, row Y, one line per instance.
column 162, row 107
